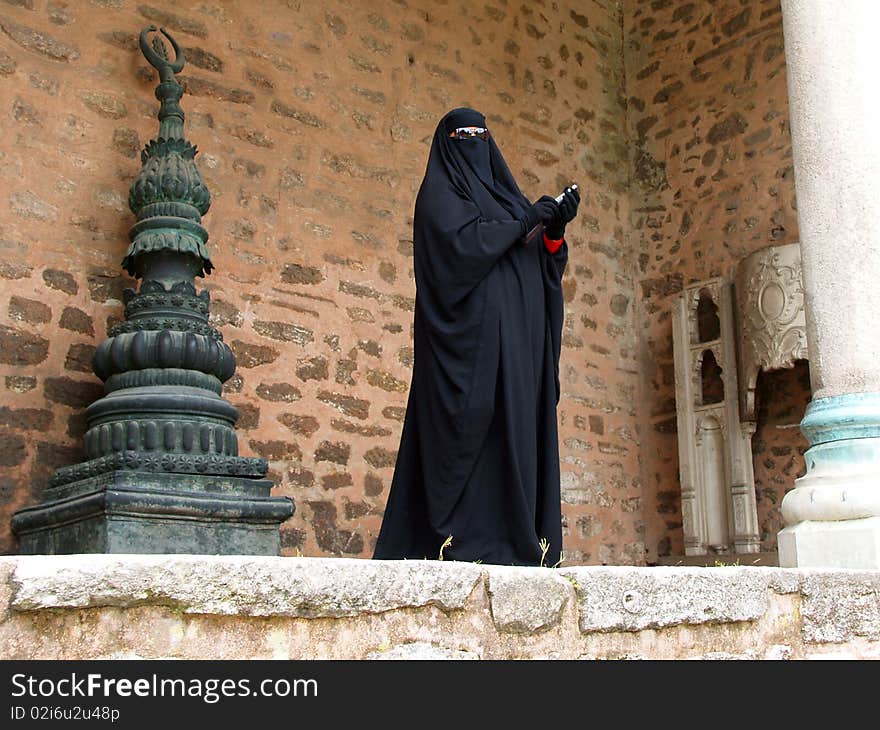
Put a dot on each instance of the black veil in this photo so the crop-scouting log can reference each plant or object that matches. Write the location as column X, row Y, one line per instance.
column 476, row 166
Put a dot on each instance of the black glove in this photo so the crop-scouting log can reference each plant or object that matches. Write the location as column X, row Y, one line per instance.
column 543, row 211
column 566, row 211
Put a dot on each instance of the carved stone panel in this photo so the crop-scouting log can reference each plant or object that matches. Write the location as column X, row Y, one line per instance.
column 719, row 511
column 772, row 330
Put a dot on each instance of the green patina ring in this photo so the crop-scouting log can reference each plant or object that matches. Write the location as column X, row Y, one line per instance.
column 851, row 416
column 172, row 222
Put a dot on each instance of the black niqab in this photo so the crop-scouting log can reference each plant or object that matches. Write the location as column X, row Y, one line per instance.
column 478, row 458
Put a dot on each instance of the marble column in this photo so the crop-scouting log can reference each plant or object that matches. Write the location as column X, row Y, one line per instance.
column 832, row 515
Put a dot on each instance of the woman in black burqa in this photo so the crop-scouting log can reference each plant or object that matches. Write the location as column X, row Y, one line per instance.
column 477, row 473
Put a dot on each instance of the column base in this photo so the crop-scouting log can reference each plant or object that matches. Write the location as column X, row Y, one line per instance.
column 144, row 512
column 844, row 544
column 832, row 515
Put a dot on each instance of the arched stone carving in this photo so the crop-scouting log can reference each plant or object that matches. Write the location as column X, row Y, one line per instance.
column 708, row 289
column 708, row 321
column 719, row 511
column 710, row 451
column 772, row 331
column 710, row 381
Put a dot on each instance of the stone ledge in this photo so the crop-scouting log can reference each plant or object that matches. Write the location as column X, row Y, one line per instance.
column 840, row 605
column 629, row 599
column 526, row 600
column 239, row 585
column 188, row 606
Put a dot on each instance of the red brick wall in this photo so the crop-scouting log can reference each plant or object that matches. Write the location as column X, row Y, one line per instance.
column 313, row 121
column 778, row 446
column 712, row 182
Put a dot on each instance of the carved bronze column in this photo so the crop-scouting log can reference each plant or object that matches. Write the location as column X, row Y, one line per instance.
column 162, row 474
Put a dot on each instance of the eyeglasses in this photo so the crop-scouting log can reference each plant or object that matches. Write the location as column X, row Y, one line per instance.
column 470, row 133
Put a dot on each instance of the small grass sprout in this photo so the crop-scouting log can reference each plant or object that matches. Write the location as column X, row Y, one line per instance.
column 446, row 543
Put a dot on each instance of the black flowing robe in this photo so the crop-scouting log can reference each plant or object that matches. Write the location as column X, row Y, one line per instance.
column 478, row 461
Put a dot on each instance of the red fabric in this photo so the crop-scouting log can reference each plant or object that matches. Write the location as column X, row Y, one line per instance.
column 552, row 245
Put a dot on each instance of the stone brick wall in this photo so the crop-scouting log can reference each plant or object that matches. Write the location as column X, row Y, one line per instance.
column 313, row 121
column 712, row 182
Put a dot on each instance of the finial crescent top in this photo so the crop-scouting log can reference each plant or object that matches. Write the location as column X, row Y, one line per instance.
column 164, row 66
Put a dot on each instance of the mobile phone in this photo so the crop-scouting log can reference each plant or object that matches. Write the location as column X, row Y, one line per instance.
column 559, row 197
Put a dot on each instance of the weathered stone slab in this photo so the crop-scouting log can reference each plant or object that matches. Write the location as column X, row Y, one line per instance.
column 841, row 605
column 630, row 599
column 526, row 600
column 240, row 585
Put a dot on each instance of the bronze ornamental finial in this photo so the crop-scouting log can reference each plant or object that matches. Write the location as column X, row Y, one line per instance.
column 157, row 55
column 169, row 195
column 162, row 470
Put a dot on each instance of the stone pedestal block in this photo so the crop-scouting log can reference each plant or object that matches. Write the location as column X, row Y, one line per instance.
column 144, row 512
column 845, row 544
